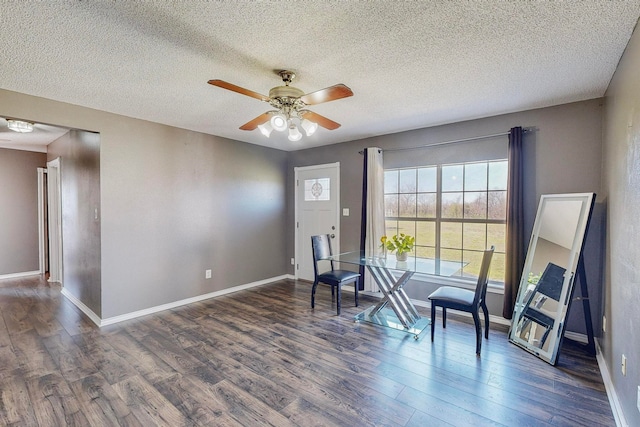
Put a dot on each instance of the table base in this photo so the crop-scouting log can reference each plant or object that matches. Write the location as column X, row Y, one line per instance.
column 387, row 317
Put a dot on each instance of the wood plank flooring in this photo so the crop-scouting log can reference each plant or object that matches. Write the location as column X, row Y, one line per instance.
column 263, row 357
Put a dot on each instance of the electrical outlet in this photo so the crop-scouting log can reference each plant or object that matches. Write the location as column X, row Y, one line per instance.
column 207, row 274
column 624, row 365
column 604, row 323
column 293, row 261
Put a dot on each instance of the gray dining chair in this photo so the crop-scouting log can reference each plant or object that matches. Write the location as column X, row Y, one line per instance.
column 321, row 247
column 465, row 300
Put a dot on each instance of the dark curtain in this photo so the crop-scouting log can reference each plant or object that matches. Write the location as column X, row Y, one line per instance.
column 514, row 250
column 363, row 218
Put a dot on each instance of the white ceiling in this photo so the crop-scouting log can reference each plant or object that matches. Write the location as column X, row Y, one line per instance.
column 410, row 64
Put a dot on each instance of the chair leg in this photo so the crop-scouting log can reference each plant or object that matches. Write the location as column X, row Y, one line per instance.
column 476, row 322
column 486, row 319
column 313, row 294
column 339, row 297
column 433, row 319
column 444, row 317
column 357, row 285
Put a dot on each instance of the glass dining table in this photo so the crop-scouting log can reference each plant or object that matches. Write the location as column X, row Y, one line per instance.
column 395, row 310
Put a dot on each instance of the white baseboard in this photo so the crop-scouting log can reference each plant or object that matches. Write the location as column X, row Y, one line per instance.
column 614, row 402
column 18, row 275
column 575, row 336
column 83, row 308
column 168, row 306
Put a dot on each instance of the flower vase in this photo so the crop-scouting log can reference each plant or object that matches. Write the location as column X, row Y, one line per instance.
column 402, row 256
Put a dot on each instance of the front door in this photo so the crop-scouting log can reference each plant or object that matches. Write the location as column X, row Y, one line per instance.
column 317, row 212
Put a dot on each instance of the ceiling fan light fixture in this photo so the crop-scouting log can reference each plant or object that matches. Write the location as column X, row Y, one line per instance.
column 289, row 104
column 266, row 129
column 279, row 122
column 19, row 126
column 294, row 133
column 309, row 127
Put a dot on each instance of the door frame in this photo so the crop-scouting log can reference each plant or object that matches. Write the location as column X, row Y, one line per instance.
column 42, row 218
column 54, row 203
column 297, row 248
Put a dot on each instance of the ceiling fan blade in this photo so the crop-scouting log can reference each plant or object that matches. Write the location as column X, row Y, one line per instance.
column 332, row 93
column 253, row 124
column 321, row 120
column 238, row 89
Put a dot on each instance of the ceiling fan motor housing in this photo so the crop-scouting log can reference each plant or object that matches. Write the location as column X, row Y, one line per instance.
column 285, row 92
column 286, row 97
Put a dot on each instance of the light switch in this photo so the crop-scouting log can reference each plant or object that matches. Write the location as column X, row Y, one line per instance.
column 345, row 212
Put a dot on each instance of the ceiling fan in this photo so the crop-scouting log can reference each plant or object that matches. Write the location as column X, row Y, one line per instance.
column 290, row 104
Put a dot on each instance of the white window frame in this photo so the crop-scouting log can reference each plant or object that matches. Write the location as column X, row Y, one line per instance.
column 461, row 282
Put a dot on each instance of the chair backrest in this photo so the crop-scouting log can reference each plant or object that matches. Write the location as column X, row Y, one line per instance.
column 483, row 277
column 321, row 247
column 550, row 283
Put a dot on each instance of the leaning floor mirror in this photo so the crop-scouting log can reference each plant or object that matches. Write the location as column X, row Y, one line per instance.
column 549, row 274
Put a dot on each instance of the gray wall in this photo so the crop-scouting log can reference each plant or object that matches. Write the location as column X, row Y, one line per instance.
column 563, row 155
column 621, row 185
column 79, row 153
column 183, row 202
column 175, row 203
column 19, row 252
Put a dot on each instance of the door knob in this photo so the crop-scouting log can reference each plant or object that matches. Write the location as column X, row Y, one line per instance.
column 333, row 236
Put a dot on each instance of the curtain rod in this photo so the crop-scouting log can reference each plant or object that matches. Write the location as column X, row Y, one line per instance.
column 449, row 142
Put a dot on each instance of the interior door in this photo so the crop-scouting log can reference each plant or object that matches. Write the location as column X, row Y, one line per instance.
column 317, row 212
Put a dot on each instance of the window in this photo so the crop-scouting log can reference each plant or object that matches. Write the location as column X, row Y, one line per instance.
column 455, row 211
column 317, row 189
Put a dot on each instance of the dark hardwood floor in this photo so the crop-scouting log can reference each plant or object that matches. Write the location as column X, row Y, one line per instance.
column 264, row 357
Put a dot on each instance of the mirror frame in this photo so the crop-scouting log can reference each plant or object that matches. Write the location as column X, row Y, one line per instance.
column 556, row 333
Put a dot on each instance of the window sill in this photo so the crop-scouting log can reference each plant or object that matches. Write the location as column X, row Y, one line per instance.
column 459, row 283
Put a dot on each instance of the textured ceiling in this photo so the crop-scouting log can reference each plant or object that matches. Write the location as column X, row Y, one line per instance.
column 410, row 64
column 37, row 140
